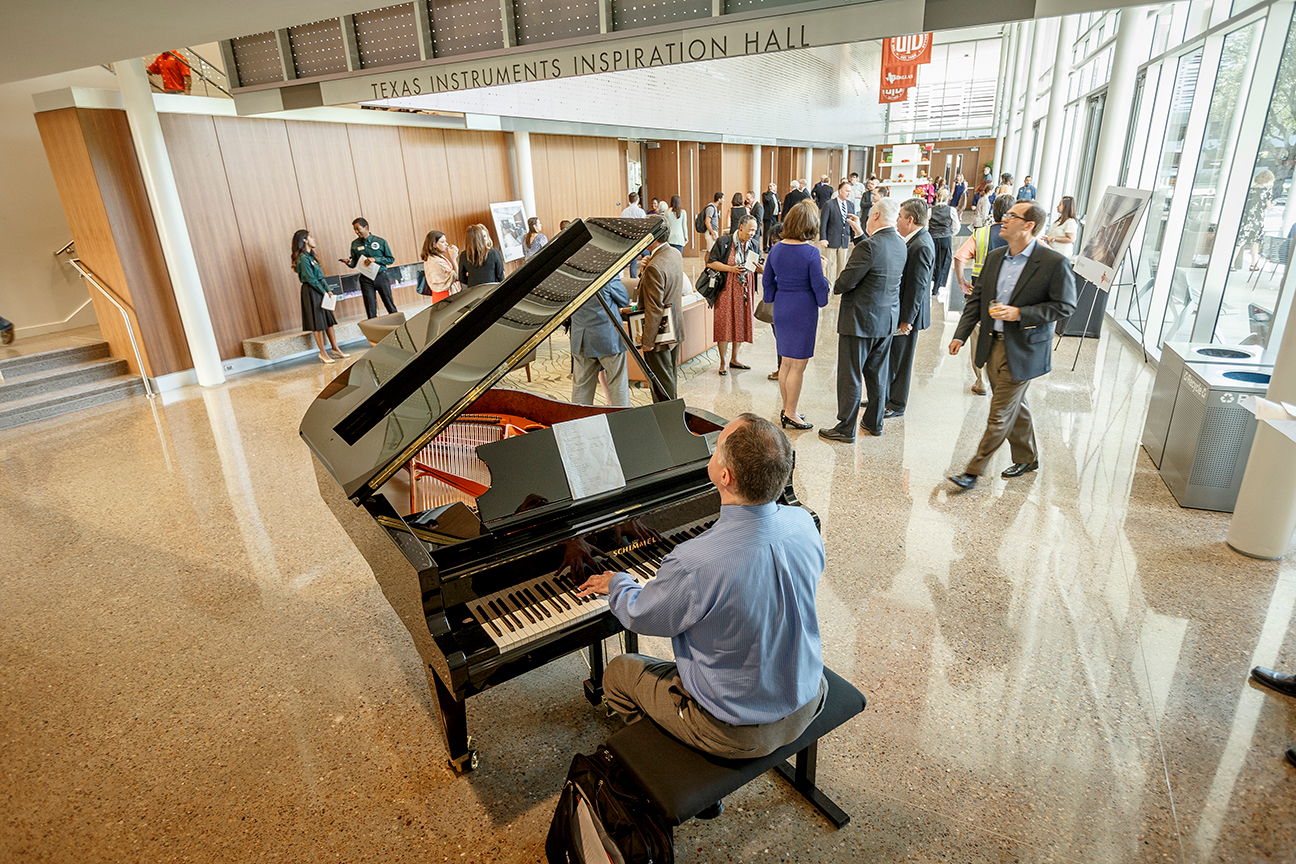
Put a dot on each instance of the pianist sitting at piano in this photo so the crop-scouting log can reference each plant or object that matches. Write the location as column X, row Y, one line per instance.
column 738, row 603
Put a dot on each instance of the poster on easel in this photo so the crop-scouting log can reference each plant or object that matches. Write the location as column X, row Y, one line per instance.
column 1108, row 234
column 510, row 228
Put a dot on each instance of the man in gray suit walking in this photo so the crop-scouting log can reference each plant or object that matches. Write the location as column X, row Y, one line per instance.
column 869, row 313
column 1023, row 288
column 661, row 284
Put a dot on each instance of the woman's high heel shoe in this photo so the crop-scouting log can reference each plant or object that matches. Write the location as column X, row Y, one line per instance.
column 786, row 421
column 324, row 358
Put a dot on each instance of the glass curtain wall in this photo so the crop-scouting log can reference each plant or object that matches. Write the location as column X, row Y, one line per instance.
column 1209, row 181
column 1193, row 112
column 1252, row 291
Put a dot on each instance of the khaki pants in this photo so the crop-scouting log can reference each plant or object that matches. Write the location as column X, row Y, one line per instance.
column 1010, row 418
column 972, row 346
column 835, row 263
column 637, row 686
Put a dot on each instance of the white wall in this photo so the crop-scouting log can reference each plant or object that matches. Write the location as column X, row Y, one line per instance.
column 37, row 292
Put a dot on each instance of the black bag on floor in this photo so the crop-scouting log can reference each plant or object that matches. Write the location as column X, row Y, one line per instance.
column 602, row 818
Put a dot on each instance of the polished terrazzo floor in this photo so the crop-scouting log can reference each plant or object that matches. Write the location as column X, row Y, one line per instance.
column 196, row 665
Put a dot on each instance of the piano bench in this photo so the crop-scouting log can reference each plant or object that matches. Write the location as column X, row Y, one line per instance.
column 682, row 782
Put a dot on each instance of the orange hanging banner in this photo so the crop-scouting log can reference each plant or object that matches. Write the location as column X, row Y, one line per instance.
column 906, row 50
column 892, row 94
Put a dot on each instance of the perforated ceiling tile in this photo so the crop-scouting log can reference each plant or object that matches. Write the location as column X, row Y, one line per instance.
column 465, row 26
column 751, row 5
column 317, row 48
column 256, row 58
column 546, row 20
column 629, row 14
column 388, row 35
column 827, row 94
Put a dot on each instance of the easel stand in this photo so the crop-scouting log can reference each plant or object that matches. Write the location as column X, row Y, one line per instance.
column 1093, row 301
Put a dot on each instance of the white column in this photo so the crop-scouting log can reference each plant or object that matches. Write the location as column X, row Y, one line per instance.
column 159, row 182
column 1265, row 515
column 1020, row 60
column 1131, row 48
column 845, row 166
column 526, row 180
column 757, row 185
column 1039, row 45
column 1048, row 183
column 809, row 169
column 1002, row 88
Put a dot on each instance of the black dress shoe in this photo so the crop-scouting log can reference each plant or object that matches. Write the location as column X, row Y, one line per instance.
column 876, row 433
column 1017, row 469
column 711, row 812
column 1274, row 680
column 786, row 421
column 964, row 481
column 834, row 435
column 889, row 413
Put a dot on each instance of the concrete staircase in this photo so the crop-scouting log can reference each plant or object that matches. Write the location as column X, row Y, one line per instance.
column 50, row 383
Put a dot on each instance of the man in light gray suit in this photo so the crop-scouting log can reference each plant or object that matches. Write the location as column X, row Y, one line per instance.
column 596, row 346
column 661, row 284
column 1023, row 288
column 869, row 313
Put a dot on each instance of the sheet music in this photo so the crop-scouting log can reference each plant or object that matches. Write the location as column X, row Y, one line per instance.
column 589, row 456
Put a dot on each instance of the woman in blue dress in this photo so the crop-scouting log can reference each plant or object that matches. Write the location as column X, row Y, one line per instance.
column 794, row 282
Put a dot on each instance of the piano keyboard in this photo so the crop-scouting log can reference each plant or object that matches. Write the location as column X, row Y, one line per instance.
column 530, row 611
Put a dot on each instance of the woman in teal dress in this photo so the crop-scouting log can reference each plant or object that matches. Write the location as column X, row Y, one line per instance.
column 315, row 318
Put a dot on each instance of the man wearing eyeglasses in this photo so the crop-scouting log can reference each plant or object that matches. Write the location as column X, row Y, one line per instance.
column 1023, row 289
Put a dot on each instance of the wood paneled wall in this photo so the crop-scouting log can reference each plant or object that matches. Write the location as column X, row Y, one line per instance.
column 576, row 177
column 972, row 159
column 247, row 184
column 102, row 191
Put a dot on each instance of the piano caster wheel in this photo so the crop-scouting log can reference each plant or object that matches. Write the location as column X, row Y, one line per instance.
column 467, row 762
column 592, row 693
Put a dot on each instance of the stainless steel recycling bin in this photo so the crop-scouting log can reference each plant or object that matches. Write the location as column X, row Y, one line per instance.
column 1165, row 389
column 1210, row 435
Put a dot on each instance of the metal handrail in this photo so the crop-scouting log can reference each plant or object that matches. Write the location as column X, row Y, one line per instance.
column 130, row 331
column 70, row 247
column 206, row 64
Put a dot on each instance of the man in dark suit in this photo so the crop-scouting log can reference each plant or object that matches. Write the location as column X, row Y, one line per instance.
column 793, row 198
column 1023, row 288
column 757, row 211
column 661, row 284
column 835, row 230
column 822, row 192
column 915, row 300
column 870, row 310
column 773, row 209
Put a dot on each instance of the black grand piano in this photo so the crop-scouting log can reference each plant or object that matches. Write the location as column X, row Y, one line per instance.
column 456, row 493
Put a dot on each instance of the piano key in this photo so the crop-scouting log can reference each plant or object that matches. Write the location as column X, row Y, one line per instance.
column 481, row 616
column 536, row 604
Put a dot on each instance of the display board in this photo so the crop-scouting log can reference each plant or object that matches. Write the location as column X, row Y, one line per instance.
column 510, row 228
column 1108, row 234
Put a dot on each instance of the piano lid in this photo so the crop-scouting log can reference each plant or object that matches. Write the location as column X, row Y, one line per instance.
column 382, row 409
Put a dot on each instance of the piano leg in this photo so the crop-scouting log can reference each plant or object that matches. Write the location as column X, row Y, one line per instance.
column 454, row 721
column 594, row 684
column 631, row 642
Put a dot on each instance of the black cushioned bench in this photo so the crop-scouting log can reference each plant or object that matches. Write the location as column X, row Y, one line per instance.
column 682, row 782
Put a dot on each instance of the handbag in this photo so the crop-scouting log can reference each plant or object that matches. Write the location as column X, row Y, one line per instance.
column 329, row 301
column 422, row 286
column 709, row 284
column 765, row 312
